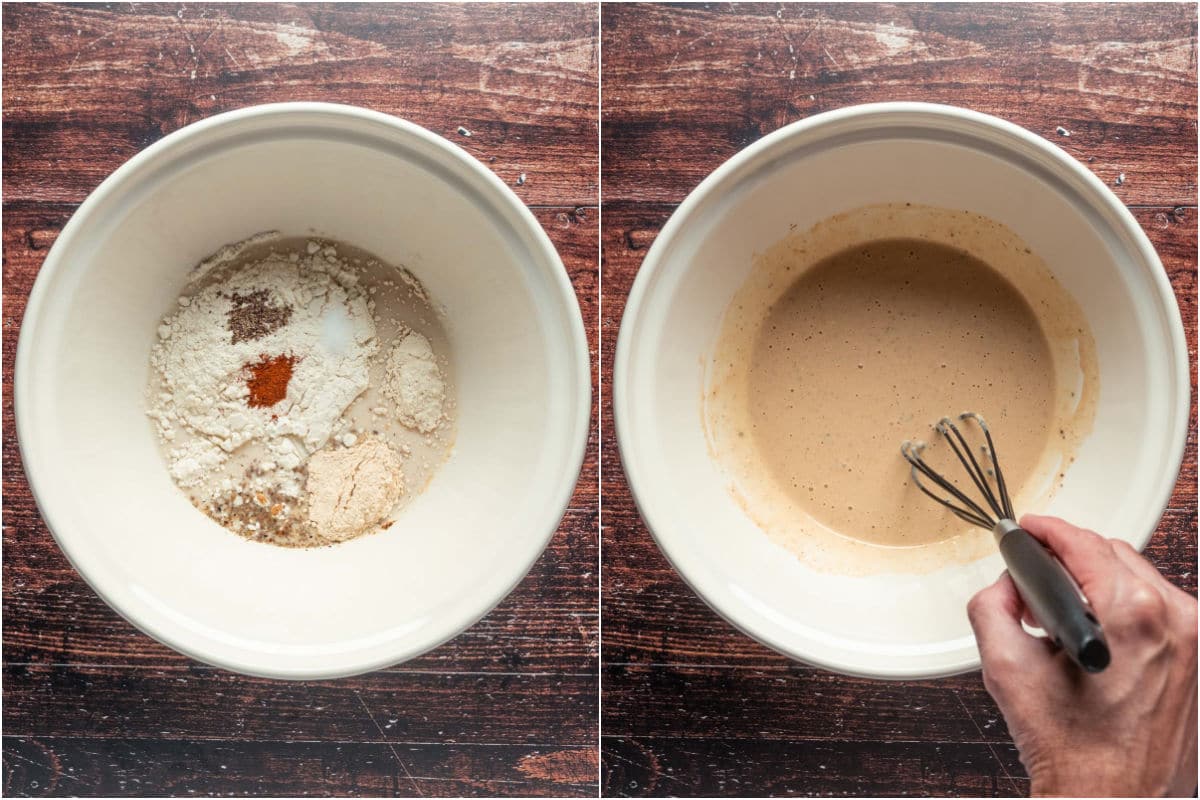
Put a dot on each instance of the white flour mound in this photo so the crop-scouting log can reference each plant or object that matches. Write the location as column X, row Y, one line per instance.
column 415, row 383
column 293, row 402
column 329, row 334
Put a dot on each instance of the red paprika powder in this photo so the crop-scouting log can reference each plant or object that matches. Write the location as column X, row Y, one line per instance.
column 268, row 380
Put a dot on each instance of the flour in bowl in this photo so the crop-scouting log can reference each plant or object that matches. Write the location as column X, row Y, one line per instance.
column 415, row 383
column 352, row 488
column 277, row 397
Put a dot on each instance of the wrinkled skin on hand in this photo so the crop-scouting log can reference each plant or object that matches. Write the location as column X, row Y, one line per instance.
column 1130, row 730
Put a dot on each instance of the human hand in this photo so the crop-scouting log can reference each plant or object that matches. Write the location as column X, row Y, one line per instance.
column 1130, row 730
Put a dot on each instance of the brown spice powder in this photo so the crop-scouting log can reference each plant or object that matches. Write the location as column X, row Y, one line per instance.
column 252, row 316
column 263, row 517
column 268, row 380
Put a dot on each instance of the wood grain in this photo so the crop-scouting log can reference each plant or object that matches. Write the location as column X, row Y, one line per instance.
column 88, row 87
column 692, row 706
column 84, row 765
column 680, row 767
column 180, row 703
column 687, row 87
column 92, row 706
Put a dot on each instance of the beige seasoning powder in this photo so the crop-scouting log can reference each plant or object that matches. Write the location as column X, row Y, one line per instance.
column 352, row 489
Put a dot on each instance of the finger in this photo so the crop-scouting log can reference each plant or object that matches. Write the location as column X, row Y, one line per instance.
column 1088, row 556
column 1179, row 610
column 1140, row 567
column 995, row 615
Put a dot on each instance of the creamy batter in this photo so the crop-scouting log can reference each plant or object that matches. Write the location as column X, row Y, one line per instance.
column 863, row 332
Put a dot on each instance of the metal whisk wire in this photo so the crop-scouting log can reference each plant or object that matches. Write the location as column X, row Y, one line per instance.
column 997, row 499
column 1047, row 589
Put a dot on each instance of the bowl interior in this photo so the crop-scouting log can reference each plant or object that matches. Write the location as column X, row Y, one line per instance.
column 516, row 344
column 890, row 625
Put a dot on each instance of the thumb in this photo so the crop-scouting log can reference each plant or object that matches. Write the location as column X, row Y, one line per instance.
column 995, row 615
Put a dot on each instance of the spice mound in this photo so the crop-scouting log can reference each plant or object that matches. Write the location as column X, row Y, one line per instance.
column 352, row 489
column 415, row 384
column 298, row 388
column 269, row 380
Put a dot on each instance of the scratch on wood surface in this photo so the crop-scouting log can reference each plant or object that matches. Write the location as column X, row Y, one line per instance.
column 392, row 747
column 54, row 767
column 1137, row 63
column 858, row 46
column 868, row 45
column 1167, row 59
column 651, row 768
column 504, row 70
column 137, row 41
column 995, row 755
column 685, row 46
column 85, row 48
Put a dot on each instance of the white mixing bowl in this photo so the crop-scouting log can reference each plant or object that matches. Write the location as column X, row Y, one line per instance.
column 892, row 625
column 517, row 343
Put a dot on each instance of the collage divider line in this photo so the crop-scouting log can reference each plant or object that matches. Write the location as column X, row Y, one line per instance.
column 600, row 388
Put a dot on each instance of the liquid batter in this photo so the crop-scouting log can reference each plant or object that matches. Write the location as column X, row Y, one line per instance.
column 841, row 345
column 868, row 347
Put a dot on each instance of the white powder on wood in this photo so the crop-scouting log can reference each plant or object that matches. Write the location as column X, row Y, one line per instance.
column 352, row 489
column 415, row 383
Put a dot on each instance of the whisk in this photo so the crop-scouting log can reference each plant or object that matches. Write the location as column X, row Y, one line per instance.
column 1048, row 590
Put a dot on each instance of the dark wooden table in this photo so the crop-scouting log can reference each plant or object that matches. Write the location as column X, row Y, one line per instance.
column 691, row 706
column 91, row 706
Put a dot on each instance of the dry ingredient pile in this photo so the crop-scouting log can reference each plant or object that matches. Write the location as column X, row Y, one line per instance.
column 301, row 390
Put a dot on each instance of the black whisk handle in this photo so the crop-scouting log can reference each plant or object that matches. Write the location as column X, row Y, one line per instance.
column 1052, row 596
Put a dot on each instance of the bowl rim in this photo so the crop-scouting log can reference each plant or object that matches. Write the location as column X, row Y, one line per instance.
column 775, row 145
column 504, row 202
